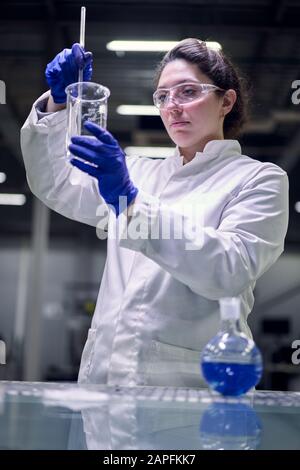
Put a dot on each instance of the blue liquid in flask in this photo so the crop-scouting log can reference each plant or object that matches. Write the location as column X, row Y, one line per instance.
column 231, row 363
column 231, row 379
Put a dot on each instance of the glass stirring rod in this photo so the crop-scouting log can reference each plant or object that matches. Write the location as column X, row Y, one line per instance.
column 82, row 38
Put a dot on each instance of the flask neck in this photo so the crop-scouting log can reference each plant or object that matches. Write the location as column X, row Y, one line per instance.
column 230, row 314
column 230, row 325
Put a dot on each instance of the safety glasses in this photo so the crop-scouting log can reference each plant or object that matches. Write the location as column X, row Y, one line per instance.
column 182, row 93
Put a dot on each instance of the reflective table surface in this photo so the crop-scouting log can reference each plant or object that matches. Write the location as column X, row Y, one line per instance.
column 68, row 416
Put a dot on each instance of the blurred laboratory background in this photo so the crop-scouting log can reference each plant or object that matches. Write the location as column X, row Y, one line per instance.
column 51, row 267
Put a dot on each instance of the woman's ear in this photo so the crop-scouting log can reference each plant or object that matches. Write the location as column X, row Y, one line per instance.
column 229, row 98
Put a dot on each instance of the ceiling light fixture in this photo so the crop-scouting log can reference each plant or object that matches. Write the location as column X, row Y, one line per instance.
column 12, row 199
column 150, row 46
column 2, row 177
column 137, row 110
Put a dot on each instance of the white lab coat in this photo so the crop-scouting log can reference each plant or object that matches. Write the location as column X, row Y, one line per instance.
column 158, row 300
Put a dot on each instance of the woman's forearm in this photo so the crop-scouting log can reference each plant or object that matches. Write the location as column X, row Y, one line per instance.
column 53, row 107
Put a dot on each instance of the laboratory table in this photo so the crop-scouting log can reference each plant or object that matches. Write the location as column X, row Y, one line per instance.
column 40, row 415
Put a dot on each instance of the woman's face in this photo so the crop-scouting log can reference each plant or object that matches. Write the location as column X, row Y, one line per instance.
column 191, row 125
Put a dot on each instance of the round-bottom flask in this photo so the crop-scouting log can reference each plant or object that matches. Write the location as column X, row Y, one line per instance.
column 231, row 362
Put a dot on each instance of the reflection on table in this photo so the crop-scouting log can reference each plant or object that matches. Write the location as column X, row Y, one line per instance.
column 69, row 416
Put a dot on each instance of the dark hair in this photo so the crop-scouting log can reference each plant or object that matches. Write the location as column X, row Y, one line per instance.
column 220, row 70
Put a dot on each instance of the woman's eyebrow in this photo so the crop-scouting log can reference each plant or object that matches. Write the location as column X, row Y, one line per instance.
column 186, row 80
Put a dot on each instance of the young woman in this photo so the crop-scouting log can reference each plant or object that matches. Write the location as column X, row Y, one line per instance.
column 202, row 224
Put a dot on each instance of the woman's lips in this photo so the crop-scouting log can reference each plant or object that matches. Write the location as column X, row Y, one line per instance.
column 179, row 123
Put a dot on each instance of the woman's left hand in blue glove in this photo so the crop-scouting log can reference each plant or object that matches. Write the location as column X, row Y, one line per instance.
column 106, row 161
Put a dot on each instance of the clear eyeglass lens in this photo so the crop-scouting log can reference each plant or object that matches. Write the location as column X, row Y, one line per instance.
column 181, row 94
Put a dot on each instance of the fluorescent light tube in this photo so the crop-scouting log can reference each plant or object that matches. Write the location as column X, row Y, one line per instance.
column 2, row 177
column 137, row 110
column 150, row 46
column 12, row 199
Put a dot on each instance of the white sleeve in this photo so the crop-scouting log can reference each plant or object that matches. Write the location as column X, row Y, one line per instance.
column 50, row 176
column 218, row 262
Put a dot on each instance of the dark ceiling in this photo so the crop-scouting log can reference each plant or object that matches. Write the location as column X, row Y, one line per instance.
column 261, row 37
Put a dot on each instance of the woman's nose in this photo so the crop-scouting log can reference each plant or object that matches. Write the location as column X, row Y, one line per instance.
column 172, row 104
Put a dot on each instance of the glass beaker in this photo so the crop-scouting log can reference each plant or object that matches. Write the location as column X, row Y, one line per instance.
column 86, row 101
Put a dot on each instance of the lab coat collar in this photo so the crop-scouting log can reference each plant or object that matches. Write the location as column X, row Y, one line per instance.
column 213, row 149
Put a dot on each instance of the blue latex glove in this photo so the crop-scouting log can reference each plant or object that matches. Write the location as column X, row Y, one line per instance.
column 105, row 160
column 64, row 68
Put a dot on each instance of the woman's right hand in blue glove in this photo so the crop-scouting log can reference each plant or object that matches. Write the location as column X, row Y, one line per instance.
column 64, row 68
